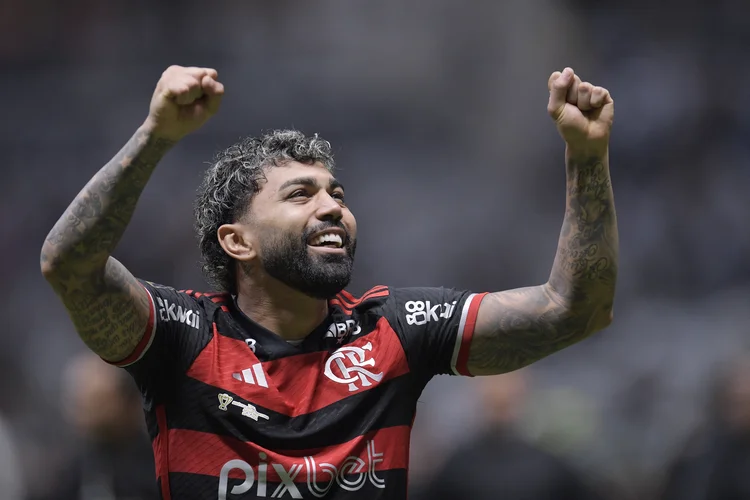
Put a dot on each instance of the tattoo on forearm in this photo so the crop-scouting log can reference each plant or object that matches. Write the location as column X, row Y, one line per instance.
column 92, row 225
column 585, row 267
column 106, row 303
column 518, row 327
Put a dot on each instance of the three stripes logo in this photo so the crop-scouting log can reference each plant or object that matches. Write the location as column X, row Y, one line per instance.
column 253, row 375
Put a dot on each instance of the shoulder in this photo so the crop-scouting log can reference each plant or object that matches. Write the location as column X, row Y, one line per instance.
column 416, row 304
column 184, row 306
column 372, row 300
column 213, row 300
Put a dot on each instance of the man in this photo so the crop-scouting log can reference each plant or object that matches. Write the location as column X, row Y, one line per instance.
column 715, row 461
column 498, row 462
column 114, row 461
column 284, row 385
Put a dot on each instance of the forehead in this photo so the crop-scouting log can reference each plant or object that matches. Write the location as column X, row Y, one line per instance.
column 278, row 177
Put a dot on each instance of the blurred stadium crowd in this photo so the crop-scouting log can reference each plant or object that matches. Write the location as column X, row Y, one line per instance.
column 437, row 114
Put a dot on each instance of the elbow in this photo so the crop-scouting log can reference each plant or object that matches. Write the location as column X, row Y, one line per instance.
column 588, row 320
column 57, row 265
column 49, row 262
column 46, row 262
column 587, row 312
column 600, row 317
column 605, row 319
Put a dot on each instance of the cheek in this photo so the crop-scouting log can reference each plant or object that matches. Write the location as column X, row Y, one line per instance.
column 351, row 224
column 279, row 226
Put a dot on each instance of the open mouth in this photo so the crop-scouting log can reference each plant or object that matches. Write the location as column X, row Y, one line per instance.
column 332, row 238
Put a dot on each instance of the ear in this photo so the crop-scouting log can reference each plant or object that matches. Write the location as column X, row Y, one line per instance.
column 237, row 241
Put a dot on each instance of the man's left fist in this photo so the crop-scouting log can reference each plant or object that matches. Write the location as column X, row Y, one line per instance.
column 582, row 112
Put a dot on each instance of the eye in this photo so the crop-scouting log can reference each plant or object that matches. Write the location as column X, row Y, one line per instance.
column 299, row 193
column 339, row 196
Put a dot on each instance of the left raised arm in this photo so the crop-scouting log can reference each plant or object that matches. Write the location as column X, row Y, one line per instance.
column 517, row 327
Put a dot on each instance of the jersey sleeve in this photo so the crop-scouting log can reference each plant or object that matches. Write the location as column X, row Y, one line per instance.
column 177, row 328
column 435, row 326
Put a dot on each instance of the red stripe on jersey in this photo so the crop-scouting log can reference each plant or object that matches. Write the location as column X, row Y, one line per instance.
column 148, row 336
column 348, row 297
column 347, row 310
column 161, row 452
column 471, row 321
column 195, row 452
column 348, row 306
column 348, row 300
column 304, row 383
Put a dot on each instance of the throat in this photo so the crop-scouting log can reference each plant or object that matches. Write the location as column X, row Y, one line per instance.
column 292, row 318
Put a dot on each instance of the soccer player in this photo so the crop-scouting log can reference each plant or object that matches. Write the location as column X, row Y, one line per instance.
column 283, row 384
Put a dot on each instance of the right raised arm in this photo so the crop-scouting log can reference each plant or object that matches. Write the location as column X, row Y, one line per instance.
column 109, row 308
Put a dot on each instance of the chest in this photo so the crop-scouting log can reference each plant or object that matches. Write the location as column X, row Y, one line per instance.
column 281, row 379
column 326, row 419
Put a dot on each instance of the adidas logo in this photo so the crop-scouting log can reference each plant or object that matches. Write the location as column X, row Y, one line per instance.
column 253, row 375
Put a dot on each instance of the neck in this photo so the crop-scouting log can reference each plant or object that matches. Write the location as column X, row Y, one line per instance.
column 282, row 310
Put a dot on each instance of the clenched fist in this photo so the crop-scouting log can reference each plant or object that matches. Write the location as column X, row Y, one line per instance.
column 582, row 112
column 184, row 99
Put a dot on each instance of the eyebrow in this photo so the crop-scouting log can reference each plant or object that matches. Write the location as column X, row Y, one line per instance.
column 311, row 182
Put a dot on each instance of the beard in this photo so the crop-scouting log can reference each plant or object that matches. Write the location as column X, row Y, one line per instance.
column 287, row 258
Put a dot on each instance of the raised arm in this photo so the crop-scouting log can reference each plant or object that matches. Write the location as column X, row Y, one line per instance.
column 517, row 327
column 109, row 308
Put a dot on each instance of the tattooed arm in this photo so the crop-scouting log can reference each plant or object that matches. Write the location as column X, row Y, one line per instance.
column 108, row 306
column 517, row 327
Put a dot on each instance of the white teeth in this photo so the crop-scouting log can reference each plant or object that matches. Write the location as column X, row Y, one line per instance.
column 328, row 238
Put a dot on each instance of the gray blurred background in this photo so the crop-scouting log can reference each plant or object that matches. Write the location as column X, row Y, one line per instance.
column 436, row 111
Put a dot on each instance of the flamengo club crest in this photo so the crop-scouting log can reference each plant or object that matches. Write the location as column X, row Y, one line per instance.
column 348, row 366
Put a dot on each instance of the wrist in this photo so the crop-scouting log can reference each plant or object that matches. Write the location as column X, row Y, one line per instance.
column 586, row 151
column 152, row 133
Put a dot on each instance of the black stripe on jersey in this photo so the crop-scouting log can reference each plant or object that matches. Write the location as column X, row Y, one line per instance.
column 235, row 325
column 383, row 405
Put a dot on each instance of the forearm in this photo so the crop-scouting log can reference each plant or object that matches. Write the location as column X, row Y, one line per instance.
column 88, row 231
column 108, row 306
column 517, row 327
column 585, row 267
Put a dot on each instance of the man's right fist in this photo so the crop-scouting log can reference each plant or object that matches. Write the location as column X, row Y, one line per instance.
column 184, row 99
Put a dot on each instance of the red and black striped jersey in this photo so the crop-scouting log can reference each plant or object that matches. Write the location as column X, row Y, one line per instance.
column 236, row 412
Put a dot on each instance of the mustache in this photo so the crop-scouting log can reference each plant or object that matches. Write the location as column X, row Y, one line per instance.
column 323, row 226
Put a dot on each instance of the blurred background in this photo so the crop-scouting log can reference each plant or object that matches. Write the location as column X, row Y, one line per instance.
column 436, row 111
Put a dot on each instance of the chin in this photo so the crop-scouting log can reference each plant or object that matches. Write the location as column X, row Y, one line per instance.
column 327, row 289
column 322, row 294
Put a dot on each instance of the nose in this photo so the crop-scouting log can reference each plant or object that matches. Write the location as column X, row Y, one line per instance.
column 328, row 208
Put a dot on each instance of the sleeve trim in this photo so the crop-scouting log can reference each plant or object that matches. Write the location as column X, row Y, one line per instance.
column 148, row 336
column 460, row 358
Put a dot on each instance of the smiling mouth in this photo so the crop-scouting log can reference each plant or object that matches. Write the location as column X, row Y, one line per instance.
column 327, row 240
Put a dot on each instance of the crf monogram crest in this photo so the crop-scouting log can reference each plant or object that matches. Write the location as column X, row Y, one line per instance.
column 347, row 366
